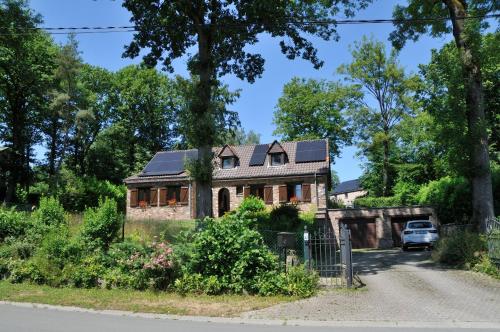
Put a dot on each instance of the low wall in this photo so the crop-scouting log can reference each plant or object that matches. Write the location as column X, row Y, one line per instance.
column 383, row 219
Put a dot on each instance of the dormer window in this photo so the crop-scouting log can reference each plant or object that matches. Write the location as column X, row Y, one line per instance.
column 228, row 162
column 277, row 159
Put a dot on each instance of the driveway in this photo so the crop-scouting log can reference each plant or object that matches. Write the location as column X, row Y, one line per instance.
column 401, row 287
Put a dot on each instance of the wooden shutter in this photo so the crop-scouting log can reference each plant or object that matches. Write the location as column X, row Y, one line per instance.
column 184, row 195
column 268, row 195
column 283, row 194
column 153, row 197
column 134, row 198
column 246, row 191
column 306, row 192
column 163, row 196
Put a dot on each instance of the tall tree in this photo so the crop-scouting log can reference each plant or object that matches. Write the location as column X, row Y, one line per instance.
column 59, row 120
column 219, row 31
column 320, row 106
column 417, row 18
column 26, row 66
column 382, row 78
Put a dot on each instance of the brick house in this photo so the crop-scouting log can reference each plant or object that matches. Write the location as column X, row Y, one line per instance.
column 347, row 191
column 278, row 173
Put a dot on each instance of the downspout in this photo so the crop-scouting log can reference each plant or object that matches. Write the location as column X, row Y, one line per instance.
column 189, row 200
column 316, row 188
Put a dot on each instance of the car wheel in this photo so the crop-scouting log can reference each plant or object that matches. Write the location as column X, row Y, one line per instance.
column 405, row 248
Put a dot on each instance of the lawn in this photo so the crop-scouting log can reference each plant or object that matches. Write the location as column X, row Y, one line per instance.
column 139, row 301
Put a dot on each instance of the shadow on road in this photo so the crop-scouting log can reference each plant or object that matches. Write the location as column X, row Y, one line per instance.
column 366, row 262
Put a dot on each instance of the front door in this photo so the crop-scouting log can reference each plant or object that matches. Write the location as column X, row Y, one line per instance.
column 224, row 205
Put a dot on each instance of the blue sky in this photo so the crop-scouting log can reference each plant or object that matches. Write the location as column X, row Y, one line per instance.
column 258, row 100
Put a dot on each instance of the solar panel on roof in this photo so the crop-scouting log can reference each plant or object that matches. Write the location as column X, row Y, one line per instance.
column 168, row 163
column 310, row 151
column 259, row 155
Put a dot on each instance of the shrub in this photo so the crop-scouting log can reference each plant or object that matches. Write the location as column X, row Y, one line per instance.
column 451, row 197
column 17, row 249
column 252, row 204
column 485, row 265
column 285, row 217
column 298, row 281
column 13, row 223
column 377, row 201
column 335, row 204
column 78, row 193
column 101, row 224
column 50, row 213
column 25, row 271
column 461, row 248
column 228, row 251
column 87, row 273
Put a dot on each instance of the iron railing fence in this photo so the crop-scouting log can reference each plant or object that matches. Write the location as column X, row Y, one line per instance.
column 493, row 239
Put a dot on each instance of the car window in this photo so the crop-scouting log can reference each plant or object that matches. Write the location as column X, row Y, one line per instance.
column 421, row 224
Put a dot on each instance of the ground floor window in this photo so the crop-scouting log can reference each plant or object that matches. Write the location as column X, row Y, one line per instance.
column 257, row 190
column 143, row 195
column 239, row 190
column 294, row 191
column 173, row 193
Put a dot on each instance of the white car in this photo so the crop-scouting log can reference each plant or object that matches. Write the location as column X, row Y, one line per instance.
column 418, row 233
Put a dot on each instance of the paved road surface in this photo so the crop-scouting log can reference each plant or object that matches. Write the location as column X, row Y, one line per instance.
column 20, row 319
column 401, row 286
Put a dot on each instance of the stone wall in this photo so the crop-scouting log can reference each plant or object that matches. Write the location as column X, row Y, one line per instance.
column 177, row 212
column 318, row 193
column 348, row 198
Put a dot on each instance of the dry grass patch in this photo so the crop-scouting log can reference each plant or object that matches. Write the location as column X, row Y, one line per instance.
column 137, row 301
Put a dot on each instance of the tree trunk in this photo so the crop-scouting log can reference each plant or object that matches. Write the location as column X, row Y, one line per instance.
column 479, row 166
column 203, row 126
column 385, row 167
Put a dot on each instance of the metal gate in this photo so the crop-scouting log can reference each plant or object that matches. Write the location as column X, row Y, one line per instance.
column 331, row 259
column 493, row 238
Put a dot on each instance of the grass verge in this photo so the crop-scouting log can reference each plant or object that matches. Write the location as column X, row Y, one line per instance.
column 137, row 301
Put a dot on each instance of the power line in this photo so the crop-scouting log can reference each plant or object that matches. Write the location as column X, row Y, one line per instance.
column 113, row 29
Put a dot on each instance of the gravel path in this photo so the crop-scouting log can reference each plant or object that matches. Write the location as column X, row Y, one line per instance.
column 400, row 286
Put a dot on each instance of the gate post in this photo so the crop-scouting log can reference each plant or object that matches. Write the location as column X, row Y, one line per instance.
column 306, row 247
column 346, row 253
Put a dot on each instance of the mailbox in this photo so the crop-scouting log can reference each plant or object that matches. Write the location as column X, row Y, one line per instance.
column 287, row 240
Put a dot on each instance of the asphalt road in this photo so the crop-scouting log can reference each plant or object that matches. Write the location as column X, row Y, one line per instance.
column 23, row 319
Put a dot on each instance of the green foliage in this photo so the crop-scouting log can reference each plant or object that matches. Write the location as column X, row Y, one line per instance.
column 13, row 223
column 335, row 203
column 50, row 213
column 77, row 193
column 25, row 271
column 461, row 248
column 319, row 105
column 285, row 217
column 451, row 197
column 485, row 265
column 101, row 224
column 228, row 250
column 252, row 204
column 377, row 202
column 87, row 273
column 297, row 281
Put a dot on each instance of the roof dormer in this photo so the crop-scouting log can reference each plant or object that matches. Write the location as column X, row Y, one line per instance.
column 277, row 155
column 228, row 158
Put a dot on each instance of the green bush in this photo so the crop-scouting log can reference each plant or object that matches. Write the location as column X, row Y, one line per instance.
column 451, row 197
column 25, row 271
column 252, row 204
column 13, row 223
column 485, row 265
column 78, row 193
column 50, row 213
column 297, row 281
column 87, row 273
column 285, row 217
column 461, row 248
column 376, row 202
column 21, row 248
column 228, row 251
column 101, row 224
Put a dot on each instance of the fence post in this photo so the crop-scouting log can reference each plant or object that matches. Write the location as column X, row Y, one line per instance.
column 306, row 247
column 346, row 252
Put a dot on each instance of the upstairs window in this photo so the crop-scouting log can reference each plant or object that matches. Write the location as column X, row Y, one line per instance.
column 228, row 162
column 277, row 159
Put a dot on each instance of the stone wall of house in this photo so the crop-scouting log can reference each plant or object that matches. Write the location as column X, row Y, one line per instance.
column 318, row 193
column 177, row 212
column 348, row 198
